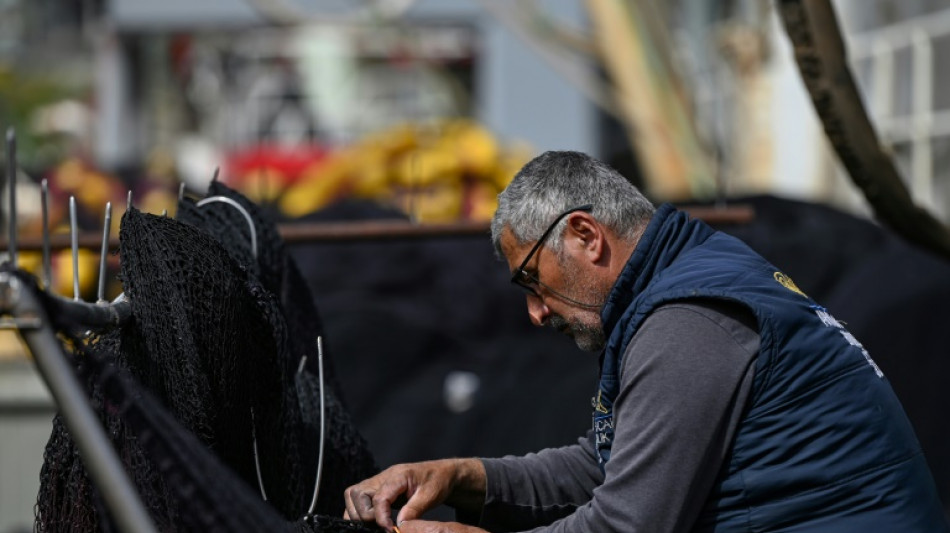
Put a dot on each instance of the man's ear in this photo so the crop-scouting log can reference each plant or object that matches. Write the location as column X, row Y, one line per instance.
column 586, row 234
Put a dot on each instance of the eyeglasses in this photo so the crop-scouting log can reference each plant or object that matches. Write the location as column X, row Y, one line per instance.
column 521, row 277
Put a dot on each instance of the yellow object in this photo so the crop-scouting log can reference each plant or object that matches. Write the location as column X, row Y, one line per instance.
column 96, row 190
column 438, row 204
column 425, row 169
column 91, row 188
column 320, row 183
column 508, row 164
column 69, row 174
column 62, row 266
column 263, row 184
column 473, row 146
column 31, row 262
column 62, row 263
column 158, row 200
column 394, row 140
column 371, row 174
column 428, row 166
column 481, row 201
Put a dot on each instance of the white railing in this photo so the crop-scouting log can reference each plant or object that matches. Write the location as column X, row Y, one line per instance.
column 919, row 126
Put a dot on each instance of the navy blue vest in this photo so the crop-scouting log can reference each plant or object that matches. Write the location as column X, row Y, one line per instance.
column 824, row 444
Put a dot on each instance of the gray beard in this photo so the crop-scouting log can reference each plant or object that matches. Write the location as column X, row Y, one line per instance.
column 587, row 338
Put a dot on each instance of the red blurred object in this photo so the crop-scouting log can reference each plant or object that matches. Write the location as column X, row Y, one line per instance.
column 289, row 163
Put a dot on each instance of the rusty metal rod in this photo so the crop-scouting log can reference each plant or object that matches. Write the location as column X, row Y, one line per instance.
column 324, row 232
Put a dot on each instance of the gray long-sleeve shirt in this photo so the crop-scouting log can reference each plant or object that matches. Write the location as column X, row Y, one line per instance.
column 686, row 376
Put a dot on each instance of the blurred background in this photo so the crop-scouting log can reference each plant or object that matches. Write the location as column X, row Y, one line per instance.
column 422, row 111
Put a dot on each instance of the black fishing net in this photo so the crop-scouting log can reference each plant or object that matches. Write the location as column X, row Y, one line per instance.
column 273, row 267
column 349, row 459
column 208, row 495
column 205, row 494
column 212, row 345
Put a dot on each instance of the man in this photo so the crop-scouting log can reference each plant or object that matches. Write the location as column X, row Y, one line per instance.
column 728, row 399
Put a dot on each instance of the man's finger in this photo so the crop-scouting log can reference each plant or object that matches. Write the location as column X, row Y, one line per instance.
column 428, row 526
column 383, row 500
column 350, row 511
column 364, row 506
column 359, row 505
column 419, row 503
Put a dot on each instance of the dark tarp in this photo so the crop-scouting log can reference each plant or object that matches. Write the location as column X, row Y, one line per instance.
column 401, row 316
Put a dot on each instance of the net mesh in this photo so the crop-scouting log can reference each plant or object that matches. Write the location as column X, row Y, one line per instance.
column 348, row 458
column 208, row 495
column 211, row 344
column 273, row 267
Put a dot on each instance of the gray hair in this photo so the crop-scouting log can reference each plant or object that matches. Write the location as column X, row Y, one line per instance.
column 557, row 181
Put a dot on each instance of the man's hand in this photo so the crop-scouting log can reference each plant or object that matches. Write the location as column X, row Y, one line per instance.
column 424, row 526
column 456, row 482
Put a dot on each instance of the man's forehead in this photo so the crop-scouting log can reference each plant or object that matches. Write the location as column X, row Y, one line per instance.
column 510, row 247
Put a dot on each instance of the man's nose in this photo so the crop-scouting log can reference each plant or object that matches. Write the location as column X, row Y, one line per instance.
column 538, row 312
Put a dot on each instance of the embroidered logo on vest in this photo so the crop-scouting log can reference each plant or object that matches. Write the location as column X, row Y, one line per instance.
column 603, row 427
column 831, row 322
column 787, row 282
column 597, row 404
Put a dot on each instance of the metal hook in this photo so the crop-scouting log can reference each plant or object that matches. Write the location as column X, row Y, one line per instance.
column 11, row 178
column 74, row 233
column 257, row 461
column 106, row 227
column 47, row 265
column 239, row 207
column 323, row 426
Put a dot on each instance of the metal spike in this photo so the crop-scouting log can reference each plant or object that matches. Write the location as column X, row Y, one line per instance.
column 181, row 191
column 215, row 177
column 323, row 427
column 47, row 264
column 106, row 228
column 257, row 459
column 128, row 202
column 11, row 179
column 74, row 233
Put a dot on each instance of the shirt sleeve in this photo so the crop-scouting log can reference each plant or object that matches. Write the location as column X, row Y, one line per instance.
column 686, row 376
column 539, row 488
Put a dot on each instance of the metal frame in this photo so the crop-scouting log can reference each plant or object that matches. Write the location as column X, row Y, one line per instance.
column 96, row 449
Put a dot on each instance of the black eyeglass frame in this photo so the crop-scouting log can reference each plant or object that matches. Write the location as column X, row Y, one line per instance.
column 520, row 276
